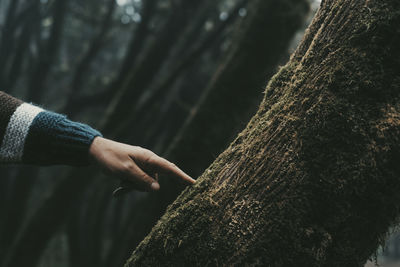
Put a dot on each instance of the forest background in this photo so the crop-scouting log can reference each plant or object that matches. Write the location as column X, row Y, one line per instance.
column 167, row 75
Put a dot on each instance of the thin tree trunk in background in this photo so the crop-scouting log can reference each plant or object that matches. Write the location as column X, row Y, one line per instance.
column 21, row 49
column 313, row 179
column 136, row 44
column 47, row 54
column 135, row 47
column 31, row 18
column 85, row 62
column 45, row 221
column 84, row 227
column 7, row 39
column 18, row 196
column 145, row 70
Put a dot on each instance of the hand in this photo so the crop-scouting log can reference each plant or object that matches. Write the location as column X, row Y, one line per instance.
column 134, row 165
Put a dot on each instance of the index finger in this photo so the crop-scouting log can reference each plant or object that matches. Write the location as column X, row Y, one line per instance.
column 162, row 165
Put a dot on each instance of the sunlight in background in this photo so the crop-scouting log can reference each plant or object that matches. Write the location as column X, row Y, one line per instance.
column 130, row 11
column 122, row 2
column 137, row 18
column 243, row 12
column 126, row 2
column 223, row 16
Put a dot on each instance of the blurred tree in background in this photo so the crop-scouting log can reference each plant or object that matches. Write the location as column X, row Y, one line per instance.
column 153, row 73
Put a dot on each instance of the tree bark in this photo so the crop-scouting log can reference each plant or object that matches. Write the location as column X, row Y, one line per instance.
column 313, row 179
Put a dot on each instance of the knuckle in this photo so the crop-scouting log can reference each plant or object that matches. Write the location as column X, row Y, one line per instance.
column 145, row 150
column 127, row 167
column 152, row 158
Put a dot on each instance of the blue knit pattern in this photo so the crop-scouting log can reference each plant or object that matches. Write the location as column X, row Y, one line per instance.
column 54, row 139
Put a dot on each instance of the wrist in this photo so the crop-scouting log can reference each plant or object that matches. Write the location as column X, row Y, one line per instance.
column 94, row 149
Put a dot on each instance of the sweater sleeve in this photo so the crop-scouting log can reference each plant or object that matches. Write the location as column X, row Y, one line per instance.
column 32, row 135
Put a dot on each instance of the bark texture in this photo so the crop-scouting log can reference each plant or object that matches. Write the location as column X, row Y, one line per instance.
column 313, row 180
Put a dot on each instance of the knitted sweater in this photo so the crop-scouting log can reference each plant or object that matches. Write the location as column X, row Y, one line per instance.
column 32, row 135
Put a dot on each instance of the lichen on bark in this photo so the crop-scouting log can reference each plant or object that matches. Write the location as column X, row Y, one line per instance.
column 313, row 180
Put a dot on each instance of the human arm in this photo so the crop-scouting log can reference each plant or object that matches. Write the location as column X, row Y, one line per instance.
column 32, row 135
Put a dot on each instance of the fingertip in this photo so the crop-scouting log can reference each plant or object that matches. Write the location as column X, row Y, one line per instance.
column 191, row 180
column 155, row 186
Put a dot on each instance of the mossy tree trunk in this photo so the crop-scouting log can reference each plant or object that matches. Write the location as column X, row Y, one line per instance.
column 313, row 180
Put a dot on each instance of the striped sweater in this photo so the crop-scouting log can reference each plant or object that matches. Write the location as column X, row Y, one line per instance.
column 32, row 135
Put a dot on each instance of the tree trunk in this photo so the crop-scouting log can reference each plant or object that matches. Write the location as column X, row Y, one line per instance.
column 313, row 179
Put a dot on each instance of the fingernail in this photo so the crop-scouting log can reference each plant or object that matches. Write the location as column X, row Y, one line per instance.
column 155, row 186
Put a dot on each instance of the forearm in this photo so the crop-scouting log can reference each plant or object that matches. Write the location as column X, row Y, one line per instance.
column 30, row 134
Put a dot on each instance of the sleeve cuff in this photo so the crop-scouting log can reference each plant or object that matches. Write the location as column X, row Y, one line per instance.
column 54, row 139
